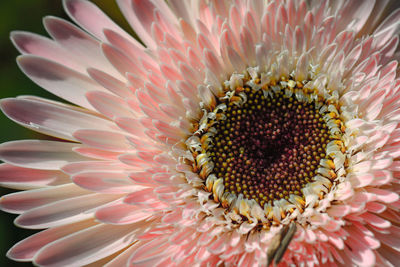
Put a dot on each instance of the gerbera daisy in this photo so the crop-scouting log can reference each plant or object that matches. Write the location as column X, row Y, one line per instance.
column 238, row 133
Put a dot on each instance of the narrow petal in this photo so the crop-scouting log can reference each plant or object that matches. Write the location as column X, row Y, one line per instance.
column 26, row 249
column 86, row 246
column 64, row 211
column 24, row 178
column 36, row 154
column 26, row 200
column 78, row 10
column 58, row 79
column 106, row 182
column 121, row 214
column 55, row 120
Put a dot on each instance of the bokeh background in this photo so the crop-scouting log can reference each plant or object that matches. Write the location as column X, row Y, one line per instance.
column 26, row 15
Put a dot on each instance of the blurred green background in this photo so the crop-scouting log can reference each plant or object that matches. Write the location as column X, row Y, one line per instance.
column 25, row 15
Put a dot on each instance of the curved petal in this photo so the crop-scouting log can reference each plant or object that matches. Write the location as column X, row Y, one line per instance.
column 55, row 120
column 86, row 246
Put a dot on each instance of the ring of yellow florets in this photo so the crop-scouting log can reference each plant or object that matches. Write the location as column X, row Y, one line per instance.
column 270, row 145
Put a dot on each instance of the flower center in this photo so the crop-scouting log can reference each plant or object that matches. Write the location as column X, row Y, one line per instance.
column 275, row 145
column 269, row 147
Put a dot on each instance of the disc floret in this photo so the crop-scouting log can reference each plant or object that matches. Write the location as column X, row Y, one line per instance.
column 272, row 147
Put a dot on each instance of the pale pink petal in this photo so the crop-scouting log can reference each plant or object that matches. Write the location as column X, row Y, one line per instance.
column 150, row 253
column 83, row 46
column 54, row 120
column 129, row 48
column 46, row 155
column 95, row 153
column 86, row 246
column 64, row 211
column 145, row 196
column 78, row 10
column 110, row 83
column 78, row 167
column 121, row 214
column 23, row 201
column 104, row 140
column 123, row 258
column 109, row 105
column 58, row 79
column 30, row 43
column 105, row 182
column 140, row 16
column 123, row 63
column 25, row 178
column 26, row 249
column 132, row 126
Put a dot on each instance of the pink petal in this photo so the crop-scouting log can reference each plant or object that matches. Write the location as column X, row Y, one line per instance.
column 360, row 254
column 339, row 210
column 121, row 61
column 150, row 253
column 375, row 220
column 25, row 178
column 361, row 179
column 63, row 212
column 95, row 153
column 383, row 195
column 55, row 120
column 26, row 249
column 110, row 82
column 46, row 155
column 58, row 79
column 91, row 18
column 140, row 16
column 105, row 182
column 83, row 47
column 78, row 167
column 108, row 104
column 131, row 125
column 30, row 43
column 105, row 140
column 129, row 48
column 27, row 200
column 123, row 258
column 143, row 196
column 121, row 214
column 86, row 246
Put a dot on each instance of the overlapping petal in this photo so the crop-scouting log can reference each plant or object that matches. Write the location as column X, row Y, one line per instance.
column 120, row 188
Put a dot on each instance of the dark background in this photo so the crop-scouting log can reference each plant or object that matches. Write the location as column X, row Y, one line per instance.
column 25, row 15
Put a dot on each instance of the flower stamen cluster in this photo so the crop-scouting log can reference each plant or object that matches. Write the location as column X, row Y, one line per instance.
column 265, row 149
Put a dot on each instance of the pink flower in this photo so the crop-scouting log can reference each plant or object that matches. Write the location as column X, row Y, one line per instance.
column 237, row 129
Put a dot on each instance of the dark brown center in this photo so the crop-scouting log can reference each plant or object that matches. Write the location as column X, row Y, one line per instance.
column 269, row 147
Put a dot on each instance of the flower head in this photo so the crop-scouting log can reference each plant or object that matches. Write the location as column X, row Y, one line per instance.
column 241, row 133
